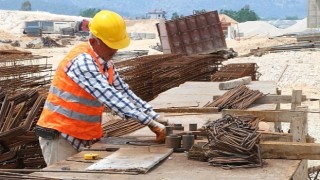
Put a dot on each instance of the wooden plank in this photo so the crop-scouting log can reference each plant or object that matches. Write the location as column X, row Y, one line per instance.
column 135, row 159
column 290, row 150
column 201, row 93
column 272, row 99
column 282, row 137
column 269, row 116
column 188, row 110
column 234, row 83
column 179, row 167
column 302, row 171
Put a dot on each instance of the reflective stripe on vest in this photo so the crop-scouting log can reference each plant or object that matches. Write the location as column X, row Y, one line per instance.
column 72, row 98
column 69, row 108
column 71, row 114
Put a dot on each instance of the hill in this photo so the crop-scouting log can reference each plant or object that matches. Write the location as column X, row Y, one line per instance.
column 139, row 8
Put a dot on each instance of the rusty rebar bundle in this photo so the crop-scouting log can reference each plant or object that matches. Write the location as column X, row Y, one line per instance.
column 21, row 70
column 120, row 127
column 240, row 97
column 233, row 142
column 150, row 75
column 235, row 71
column 19, row 146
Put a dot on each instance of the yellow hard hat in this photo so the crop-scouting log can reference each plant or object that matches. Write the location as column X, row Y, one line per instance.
column 109, row 27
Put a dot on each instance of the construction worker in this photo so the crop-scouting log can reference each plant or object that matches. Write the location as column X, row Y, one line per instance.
column 85, row 82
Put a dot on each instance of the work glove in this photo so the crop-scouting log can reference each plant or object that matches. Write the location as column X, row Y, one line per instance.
column 159, row 130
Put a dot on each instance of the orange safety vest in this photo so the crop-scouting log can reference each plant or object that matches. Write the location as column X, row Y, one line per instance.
column 69, row 108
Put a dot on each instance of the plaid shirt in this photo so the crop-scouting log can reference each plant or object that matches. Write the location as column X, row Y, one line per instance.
column 119, row 98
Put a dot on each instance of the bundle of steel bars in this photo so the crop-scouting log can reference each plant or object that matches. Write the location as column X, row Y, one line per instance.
column 233, row 142
column 240, row 97
column 236, row 70
column 19, row 146
column 150, row 75
column 21, row 70
column 120, row 127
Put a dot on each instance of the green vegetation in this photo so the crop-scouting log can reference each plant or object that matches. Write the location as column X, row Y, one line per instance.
column 199, row 11
column 175, row 15
column 25, row 6
column 243, row 15
column 292, row 18
column 89, row 12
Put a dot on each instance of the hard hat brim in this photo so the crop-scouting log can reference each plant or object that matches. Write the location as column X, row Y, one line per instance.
column 119, row 44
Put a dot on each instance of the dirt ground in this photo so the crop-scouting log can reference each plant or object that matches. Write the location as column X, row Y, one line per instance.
column 291, row 70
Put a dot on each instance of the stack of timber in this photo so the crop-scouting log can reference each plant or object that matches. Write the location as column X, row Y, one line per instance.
column 300, row 46
column 19, row 146
column 235, row 71
column 308, row 37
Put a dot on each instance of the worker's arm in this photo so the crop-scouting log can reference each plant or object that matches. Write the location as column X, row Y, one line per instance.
column 84, row 71
column 123, row 87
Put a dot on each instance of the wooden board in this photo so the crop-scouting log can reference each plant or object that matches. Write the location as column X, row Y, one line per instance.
column 188, row 110
column 273, row 99
column 269, row 116
column 198, row 94
column 179, row 167
column 135, row 159
column 282, row 137
column 290, row 150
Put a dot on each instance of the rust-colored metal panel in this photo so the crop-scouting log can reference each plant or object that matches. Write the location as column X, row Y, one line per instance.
column 195, row 34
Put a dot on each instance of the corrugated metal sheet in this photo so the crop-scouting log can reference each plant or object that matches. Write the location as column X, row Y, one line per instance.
column 195, row 34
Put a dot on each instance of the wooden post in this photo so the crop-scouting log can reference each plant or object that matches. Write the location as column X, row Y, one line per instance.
column 296, row 99
column 298, row 130
column 303, row 129
column 277, row 125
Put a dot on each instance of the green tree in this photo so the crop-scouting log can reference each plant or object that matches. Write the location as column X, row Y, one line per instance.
column 291, row 18
column 25, row 6
column 199, row 11
column 231, row 13
column 243, row 15
column 246, row 14
column 175, row 15
column 89, row 12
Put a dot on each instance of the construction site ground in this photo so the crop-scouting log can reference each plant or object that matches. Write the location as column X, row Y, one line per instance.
column 177, row 166
column 288, row 70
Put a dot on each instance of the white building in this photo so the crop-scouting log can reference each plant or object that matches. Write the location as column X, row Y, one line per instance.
column 157, row 14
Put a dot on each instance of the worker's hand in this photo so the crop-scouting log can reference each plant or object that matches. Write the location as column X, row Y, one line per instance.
column 159, row 130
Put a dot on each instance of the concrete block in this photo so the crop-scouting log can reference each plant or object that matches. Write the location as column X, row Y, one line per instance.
column 234, row 83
